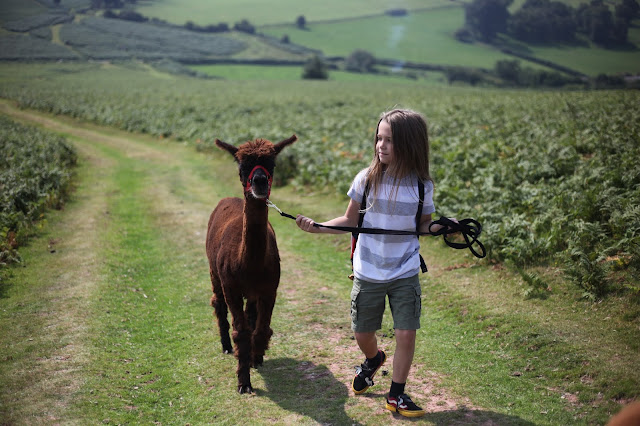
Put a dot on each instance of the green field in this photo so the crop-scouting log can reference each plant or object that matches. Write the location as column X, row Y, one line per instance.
column 425, row 35
column 595, row 60
column 419, row 37
column 422, row 36
column 262, row 13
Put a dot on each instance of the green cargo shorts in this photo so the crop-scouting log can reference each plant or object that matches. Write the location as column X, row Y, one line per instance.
column 368, row 304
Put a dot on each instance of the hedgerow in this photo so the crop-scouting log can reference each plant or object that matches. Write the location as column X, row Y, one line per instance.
column 35, row 173
column 101, row 38
column 26, row 47
column 38, row 21
column 554, row 177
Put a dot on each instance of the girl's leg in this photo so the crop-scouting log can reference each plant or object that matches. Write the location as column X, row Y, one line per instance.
column 403, row 357
column 368, row 343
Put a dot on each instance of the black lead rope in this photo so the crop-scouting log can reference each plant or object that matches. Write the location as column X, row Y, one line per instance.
column 470, row 229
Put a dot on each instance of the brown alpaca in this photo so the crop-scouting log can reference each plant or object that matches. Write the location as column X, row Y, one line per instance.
column 243, row 257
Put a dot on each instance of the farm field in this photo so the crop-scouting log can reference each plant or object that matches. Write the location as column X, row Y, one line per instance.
column 426, row 36
column 283, row 11
column 119, row 330
column 502, row 156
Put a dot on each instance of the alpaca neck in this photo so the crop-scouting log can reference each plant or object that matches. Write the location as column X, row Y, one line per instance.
column 254, row 230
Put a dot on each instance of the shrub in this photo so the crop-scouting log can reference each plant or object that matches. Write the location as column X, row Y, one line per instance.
column 245, row 27
column 315, row 69
column 360, row 61
column 35, row 173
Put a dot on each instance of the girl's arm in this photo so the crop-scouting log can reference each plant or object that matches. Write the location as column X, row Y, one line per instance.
column 350, row 218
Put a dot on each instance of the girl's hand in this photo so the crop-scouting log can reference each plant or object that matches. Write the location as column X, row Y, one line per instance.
column 306, row 224
column 454, row 220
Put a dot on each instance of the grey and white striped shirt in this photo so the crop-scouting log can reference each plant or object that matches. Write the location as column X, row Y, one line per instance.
column 384, row 258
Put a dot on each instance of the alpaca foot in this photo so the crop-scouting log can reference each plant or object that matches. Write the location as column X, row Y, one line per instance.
column 226, row 345
column 245, row 389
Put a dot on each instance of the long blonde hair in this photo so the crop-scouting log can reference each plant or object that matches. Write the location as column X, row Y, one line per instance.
column 410, row 148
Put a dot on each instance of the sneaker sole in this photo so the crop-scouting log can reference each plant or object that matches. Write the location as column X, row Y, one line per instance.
column 405, row 413
column 360, row 392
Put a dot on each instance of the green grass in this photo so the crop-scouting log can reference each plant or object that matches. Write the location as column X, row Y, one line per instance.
column 595, row 60
column 585, row 57
column 260, row 13
column 419, row 37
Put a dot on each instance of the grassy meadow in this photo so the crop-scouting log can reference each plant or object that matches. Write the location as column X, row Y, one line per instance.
column 283, row 11
column 425, row 36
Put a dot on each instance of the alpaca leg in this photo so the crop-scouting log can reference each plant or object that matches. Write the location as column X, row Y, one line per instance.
column 262, row 332
column 220, row 312
column 242, row 340
column 251, row 311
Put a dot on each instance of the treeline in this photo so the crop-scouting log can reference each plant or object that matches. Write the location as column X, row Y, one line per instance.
column 506, row 73
column 549, row 21
column 131, row 15
column 222, row 27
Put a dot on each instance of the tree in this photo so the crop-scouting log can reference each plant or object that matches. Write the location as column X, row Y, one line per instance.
column 315, row 69
column 508, row 70
column 620, row 30
column 245, row 27
column 301, row 22
column 628, row 10
column 596, row 21
column 360, row 61
column 486, row 18
column 542, row 21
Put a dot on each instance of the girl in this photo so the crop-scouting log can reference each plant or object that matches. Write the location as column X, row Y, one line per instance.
column 388, row 265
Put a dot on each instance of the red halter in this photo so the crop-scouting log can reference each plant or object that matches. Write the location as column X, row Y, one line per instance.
column 269, row 179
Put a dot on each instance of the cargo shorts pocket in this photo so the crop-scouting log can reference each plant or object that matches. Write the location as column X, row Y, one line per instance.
column 418, row 301
column 355, row 295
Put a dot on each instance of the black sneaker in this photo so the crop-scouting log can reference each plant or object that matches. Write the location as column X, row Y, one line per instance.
column 365, row 373
column 403, row 405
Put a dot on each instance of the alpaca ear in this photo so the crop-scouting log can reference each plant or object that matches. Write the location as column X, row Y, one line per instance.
column 280, row 145
column 227, row 147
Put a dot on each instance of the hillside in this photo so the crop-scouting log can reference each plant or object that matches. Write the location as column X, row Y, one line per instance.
column 40, row 30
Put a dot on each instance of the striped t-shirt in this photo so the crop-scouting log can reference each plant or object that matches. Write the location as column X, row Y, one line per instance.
column 383, row 258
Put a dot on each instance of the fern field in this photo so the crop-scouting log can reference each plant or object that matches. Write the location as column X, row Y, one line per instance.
column 554, row 177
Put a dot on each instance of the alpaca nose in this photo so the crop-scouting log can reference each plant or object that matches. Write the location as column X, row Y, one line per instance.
column 260, row 179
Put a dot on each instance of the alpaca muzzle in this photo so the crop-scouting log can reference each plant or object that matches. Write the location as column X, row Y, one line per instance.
column 259, row 182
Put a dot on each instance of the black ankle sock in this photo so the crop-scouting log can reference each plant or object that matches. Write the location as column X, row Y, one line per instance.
column 396, row 389
column 375, row 360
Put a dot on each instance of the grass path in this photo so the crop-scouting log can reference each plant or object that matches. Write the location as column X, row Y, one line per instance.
column 109, row 321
